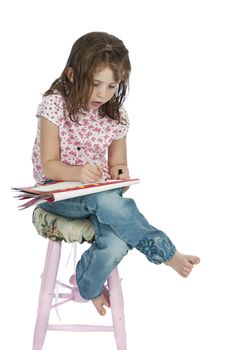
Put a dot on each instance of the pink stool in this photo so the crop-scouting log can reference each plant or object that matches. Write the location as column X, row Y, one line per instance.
column 47, row 295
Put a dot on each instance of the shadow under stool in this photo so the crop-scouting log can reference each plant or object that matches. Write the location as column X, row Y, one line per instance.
column 56, row 229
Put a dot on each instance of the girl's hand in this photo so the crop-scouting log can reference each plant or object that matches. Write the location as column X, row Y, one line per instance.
column 91, row 173
column 120, row 173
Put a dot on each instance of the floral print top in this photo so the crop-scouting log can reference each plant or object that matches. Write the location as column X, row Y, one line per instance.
column 93, row 133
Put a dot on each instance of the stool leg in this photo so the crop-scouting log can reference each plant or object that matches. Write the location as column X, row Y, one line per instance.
column 117, row 309
column 46, row 293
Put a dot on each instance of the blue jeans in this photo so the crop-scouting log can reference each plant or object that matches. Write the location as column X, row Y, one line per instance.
column 119, row 227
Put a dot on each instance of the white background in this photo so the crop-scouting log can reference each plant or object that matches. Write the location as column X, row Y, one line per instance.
column 179, row 145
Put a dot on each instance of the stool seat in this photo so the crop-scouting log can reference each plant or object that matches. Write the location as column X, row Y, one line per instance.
column 50, row 224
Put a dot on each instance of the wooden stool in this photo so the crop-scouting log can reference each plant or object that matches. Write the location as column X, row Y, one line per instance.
column 48, row 298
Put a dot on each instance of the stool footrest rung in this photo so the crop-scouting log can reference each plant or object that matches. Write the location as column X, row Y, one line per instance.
column 80, row 328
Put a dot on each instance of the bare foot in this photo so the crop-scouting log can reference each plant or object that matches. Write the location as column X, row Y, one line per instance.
column 101, row 301
column 183, row 264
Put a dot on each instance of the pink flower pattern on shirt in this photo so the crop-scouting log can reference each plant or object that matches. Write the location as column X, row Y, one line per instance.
column 92, row 133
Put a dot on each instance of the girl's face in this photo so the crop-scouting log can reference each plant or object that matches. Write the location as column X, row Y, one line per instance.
column 104, row 87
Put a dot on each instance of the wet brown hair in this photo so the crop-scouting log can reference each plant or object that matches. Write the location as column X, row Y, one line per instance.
column 91, row 52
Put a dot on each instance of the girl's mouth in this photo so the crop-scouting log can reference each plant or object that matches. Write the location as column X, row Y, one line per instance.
column 96, row 104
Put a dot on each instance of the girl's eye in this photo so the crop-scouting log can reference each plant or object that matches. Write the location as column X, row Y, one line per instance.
column 112, row 87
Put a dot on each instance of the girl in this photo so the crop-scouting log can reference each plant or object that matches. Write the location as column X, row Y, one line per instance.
column 84, row 109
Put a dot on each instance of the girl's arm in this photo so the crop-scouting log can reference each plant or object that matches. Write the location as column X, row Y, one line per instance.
column 53, row 167
column 117, row 159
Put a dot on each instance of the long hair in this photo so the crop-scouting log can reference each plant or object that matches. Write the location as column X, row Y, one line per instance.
column 90, row 53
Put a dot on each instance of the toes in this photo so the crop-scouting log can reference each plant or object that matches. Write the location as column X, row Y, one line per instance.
column 102, row 311
column 194, row 260
column 187, row 268
column 101, row 301
column 185, row 273
column 188, row 264
column 99, row 307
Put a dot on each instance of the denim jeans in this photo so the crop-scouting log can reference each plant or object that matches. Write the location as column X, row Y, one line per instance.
column 119, row 227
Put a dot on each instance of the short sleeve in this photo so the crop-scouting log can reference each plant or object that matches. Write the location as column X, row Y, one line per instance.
column 122, row 127
column 52, row 108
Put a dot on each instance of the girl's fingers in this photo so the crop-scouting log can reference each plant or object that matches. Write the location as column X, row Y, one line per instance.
column 92, row 170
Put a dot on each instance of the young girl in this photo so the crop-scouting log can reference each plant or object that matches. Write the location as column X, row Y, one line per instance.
column 84, row 109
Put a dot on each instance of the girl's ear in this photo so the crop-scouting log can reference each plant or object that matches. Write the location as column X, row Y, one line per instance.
column 69, row 74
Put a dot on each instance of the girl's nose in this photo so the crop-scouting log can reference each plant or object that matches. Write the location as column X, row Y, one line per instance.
column 101, row 92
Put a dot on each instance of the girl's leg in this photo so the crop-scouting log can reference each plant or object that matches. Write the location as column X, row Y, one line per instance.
column 96, row 264
column 122, row 215
column 98, row 261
